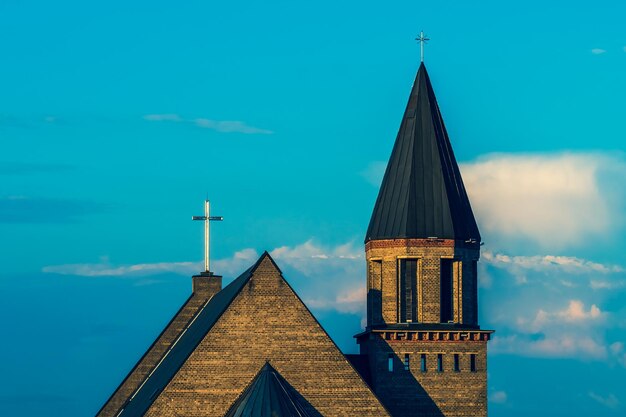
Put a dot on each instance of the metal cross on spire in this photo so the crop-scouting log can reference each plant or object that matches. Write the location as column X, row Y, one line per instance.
column 422, row 40
column 207, row 218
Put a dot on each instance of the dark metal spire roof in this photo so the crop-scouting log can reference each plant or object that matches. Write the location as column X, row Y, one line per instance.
column 422, row 193
column 269, row 395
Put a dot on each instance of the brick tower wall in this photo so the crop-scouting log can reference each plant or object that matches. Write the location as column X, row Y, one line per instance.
column 429, row 393
column 382, row 283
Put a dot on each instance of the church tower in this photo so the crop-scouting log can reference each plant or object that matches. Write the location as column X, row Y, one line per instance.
column 426, row 351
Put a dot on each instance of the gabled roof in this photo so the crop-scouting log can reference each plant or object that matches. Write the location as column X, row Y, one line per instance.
column 269, row 395
column 184, row 346
column 422, row 193
column 255, row 319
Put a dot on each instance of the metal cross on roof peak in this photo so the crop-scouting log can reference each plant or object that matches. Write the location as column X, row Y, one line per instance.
column 207, row 218
column 422, row 40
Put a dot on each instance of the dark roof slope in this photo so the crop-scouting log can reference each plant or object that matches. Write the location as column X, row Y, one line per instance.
column 141, row 400
column 269, row 395
column 361, row 364
column 422, row 193
column 153, row 355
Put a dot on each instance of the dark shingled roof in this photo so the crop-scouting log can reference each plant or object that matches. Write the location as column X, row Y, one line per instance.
column 269, row 395
column 422, row 194
column 181, row 349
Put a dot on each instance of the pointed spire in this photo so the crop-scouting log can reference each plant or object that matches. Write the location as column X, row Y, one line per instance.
column 422, row 193
column 268, row 395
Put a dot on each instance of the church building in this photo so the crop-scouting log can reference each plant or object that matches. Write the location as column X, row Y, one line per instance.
column 254, row 349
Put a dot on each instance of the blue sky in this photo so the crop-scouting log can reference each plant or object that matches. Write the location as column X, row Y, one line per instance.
column 117, row 119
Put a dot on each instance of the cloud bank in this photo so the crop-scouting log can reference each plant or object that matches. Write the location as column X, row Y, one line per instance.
column 228, row 266
column 326, row 277
column 555, row 201
column 557, row 307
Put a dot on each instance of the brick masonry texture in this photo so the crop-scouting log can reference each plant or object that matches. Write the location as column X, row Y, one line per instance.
column 413, row 392
column 429, row 253
column 432, row 393
column 266, row 322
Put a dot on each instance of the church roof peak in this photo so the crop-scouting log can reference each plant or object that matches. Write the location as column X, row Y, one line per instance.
column 422, row 194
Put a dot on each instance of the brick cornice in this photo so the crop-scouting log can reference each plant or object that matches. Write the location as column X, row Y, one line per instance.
column 429, row 335
column 403, row 243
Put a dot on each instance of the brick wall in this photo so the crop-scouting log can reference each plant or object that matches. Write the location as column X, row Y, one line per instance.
column 431, row 393
column 429, row 252
column 410, row 393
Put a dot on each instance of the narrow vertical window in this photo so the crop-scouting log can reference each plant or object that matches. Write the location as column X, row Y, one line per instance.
column 390, row 362
column 407, row 290
column 473, row 362
column 446, row 292
column 457, row 366
column 473, row 295
column 423, row 362
column 407, row 362
column 374, row 295
column 439, row 362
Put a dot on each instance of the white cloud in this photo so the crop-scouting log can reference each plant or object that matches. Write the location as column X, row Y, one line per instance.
column 609, row 401
column 574, row 314
column 228, row 126
column 163, row 117
column 236, row 264
column 568, row 264
column 555, row 312
column 498, row 397
column 607, row 285
column 326, row 277
column 229, row 266
column 555, row 201
column 303, row 254
column 574, row 331
column 547, row 270
column 105, row 268
column 349, row 301
column 598, row 51
column 224, row 126
column 554, row 346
